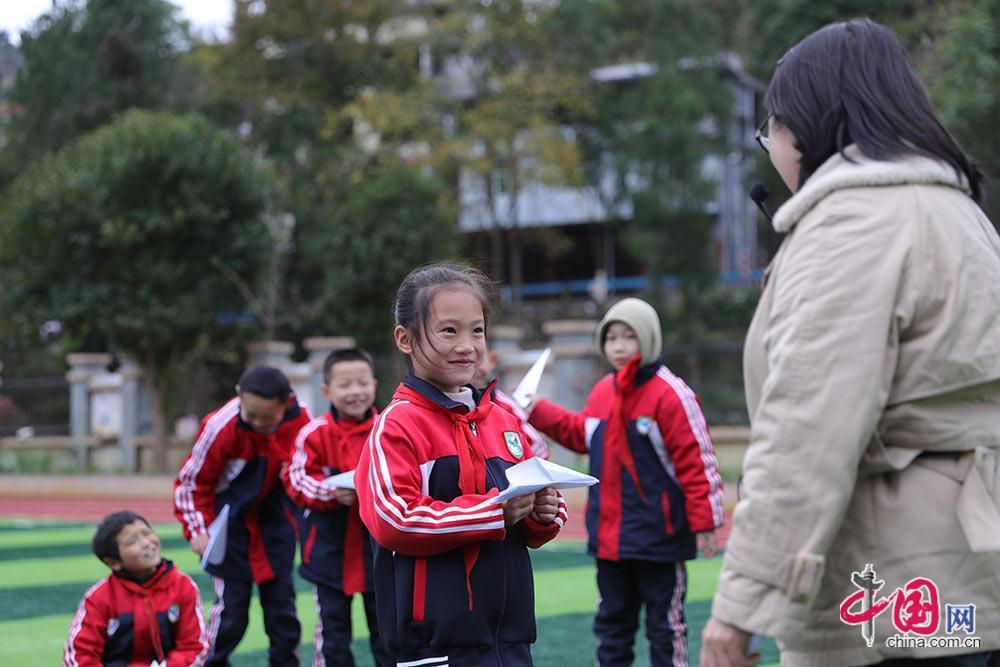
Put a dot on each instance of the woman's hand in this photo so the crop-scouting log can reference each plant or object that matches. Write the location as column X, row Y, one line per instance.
column 516, row 509
column 725, row 645
column 546, row 506
column 708, row 543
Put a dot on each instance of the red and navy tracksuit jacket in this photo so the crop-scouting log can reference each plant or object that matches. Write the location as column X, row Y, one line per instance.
column 232, row 464
column 661, row 483
column 539, row 447
column 336, row 549
column 454, row 586
column 122, row 622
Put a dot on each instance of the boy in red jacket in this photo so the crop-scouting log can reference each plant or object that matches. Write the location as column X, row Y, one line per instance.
column 336, row 548
column 145, row 612
column 660, row 496
column 236, row 461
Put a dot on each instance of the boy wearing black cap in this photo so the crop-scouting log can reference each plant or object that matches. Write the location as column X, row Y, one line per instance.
column 236, row 461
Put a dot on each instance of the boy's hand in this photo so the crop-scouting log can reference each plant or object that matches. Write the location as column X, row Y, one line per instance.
column 199, row 543
column 346, row 497
column 546, row 506
column 708, row 543
column 516, row 509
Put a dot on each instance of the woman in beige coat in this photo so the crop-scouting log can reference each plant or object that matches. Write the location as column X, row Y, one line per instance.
column 868, row 531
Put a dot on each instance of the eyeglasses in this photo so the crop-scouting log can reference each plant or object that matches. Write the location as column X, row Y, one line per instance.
column 761, row 135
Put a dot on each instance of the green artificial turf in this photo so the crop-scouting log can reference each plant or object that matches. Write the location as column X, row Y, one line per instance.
column 45, row 568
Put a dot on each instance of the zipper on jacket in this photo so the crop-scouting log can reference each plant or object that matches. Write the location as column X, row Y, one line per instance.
column 475, row 431
column 503, row 563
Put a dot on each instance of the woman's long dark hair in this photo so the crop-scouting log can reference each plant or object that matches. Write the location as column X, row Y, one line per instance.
column 851, row 82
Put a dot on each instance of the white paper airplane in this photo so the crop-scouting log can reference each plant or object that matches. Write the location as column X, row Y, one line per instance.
column 528, row 386
column 536, row 474
column 344, row 480
column 215, row 551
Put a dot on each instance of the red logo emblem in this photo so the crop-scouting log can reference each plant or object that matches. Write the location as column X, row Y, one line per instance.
column 916, row 607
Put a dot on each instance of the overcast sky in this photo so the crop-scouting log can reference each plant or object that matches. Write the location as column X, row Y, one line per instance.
column 207, row 17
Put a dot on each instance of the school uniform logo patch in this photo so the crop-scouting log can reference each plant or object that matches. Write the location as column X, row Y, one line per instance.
column 173, row 613
column 514, row 446
column 644, row 425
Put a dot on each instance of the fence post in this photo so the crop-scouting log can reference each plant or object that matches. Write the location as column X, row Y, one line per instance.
column 131, row 374
column 82, row 366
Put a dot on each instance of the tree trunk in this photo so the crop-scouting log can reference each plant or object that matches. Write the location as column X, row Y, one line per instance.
column 155, row 391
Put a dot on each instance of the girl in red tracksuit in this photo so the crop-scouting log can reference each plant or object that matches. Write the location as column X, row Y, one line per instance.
column 453, row 579
column 336, row 549
column 146, row 611
column 660, row 495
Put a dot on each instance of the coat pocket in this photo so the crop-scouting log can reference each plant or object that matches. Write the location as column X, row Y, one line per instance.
column 419, row 588
column 979, row 502
column 667, row 522
column 307, row 548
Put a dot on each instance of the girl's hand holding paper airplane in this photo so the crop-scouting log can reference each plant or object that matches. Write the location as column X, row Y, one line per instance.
column 546, row 506
column 517, row 508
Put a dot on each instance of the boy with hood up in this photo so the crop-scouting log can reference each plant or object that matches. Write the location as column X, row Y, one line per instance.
column 660, row 497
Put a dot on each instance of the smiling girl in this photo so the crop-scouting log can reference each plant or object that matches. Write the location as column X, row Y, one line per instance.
column 453, row 579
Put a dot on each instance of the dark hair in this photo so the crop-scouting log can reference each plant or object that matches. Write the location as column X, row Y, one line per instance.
column 851, row 82
column 105, row 542
column 412, row 304
column 265, row 382
column 345, row 354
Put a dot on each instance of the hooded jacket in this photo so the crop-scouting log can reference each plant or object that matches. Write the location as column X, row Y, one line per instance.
column 336, row 549
column 650, row 447
column 124, row 623
column 872, row 370
column 453, row 584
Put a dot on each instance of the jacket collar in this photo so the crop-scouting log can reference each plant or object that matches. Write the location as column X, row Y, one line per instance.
column 434, row 395
column 336, row 418
column 633, row 375
column 133, row 583
column 851, row 169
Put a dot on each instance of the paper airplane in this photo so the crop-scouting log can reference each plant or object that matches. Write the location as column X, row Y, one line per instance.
column 536, row 474
column 528, row 386
column 215, row 551
column 344, row 480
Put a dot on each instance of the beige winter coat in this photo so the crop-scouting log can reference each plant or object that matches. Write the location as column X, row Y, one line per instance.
column 872, row 371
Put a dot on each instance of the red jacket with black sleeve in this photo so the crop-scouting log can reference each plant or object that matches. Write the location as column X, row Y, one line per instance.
column 668, row 486
column 231, row 464
column 123, row 622
column 450, row 578
column 336, row 549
